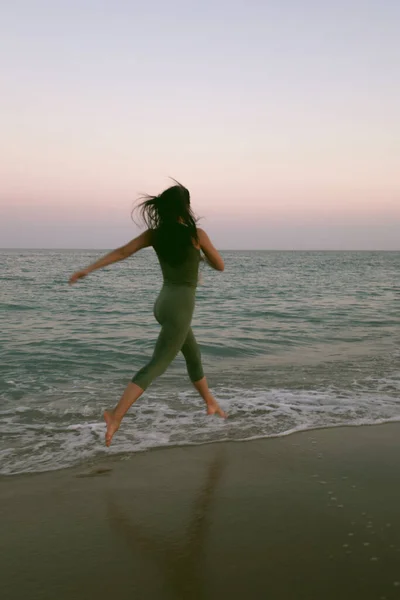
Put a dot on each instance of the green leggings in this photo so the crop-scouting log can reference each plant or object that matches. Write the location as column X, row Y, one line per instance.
column 173, row 309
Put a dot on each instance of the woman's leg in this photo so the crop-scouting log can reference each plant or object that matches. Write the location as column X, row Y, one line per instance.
column 114, row 417
column 191, row 352
column 168, row 344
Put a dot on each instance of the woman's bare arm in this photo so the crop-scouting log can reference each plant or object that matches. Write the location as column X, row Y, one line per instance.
column 142, row 241
column 212, row 255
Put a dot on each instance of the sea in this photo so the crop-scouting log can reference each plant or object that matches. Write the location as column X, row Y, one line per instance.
column 290, row 341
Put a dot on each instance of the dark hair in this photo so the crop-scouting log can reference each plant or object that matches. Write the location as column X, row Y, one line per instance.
column 171, row 218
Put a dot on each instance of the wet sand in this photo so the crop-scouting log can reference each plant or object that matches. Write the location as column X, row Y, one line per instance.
column 315, row 515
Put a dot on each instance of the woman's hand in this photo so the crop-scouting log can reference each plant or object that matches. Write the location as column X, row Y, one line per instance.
column 78, row 275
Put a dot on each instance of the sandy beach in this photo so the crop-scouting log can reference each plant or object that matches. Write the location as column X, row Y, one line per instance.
column 312, row 515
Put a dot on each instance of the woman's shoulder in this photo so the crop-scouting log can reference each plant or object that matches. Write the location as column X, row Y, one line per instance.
column 202, row 236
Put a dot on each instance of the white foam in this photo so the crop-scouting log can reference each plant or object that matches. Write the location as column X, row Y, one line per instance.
column 59, row 434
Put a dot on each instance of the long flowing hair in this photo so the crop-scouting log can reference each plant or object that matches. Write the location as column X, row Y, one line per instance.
column 172, row 220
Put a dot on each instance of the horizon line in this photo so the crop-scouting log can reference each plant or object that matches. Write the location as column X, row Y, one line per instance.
column 220, row 249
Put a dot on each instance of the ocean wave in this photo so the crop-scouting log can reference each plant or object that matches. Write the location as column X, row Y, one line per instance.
column 61, row 435
column 289, row 341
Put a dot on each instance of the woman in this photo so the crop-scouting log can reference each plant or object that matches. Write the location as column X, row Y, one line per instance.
column 177, row 242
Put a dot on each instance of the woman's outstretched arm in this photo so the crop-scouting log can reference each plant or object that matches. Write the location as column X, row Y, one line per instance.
column 142, row 241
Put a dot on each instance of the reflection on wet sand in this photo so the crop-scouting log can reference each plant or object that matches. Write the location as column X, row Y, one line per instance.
column 182, row 561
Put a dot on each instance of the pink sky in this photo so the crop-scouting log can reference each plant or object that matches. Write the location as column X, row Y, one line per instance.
column 275, row 115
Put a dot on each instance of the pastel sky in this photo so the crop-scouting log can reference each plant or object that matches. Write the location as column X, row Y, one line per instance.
column 281, row 117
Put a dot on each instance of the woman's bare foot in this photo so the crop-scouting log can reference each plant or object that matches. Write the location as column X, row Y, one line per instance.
column 112, row 425
column 212, row 405
column 213, row 408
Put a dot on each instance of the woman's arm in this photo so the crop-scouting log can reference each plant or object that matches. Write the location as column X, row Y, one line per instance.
column 142, row 241
column 212, row 255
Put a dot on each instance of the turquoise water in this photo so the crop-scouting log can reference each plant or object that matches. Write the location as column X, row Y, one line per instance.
column 290, row 341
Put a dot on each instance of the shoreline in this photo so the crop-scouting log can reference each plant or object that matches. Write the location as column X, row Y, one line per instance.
column 310, row 515
column 125, row 456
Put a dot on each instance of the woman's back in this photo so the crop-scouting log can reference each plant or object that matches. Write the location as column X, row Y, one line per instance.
column 183, row 273
column 178, row 256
